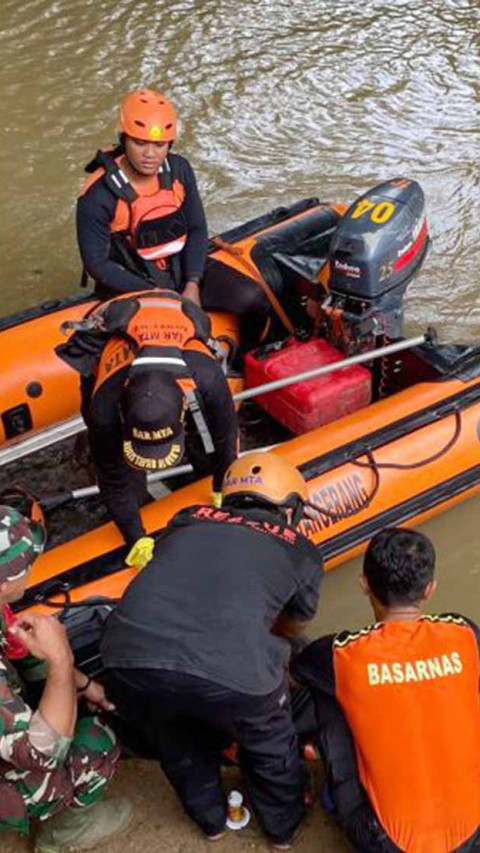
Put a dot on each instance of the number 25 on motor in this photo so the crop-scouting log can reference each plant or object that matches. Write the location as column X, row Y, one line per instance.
column 379, row 213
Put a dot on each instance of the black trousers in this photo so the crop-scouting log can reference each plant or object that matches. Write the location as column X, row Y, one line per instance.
column 352, row 807
column 246, row 299
column 187, row 721
column 123, row 489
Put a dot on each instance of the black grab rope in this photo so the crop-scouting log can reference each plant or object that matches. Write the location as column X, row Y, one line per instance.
column 67, row 604
column 399, row 466
column 376, row 466
column 366, row 503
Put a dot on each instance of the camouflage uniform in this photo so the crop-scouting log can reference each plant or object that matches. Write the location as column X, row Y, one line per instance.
column 37, row 783
column 41, row 772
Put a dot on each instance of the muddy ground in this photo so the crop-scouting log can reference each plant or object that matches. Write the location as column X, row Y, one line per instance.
column 159, row 824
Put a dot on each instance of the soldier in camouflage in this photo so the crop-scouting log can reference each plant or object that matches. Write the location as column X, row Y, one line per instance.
column 53, row 768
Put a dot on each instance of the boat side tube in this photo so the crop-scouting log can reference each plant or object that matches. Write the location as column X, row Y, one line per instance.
column 400, row 461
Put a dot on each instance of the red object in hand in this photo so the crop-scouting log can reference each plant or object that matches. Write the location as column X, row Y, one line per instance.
column 14, row 648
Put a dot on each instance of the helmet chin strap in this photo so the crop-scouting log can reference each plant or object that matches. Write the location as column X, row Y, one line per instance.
column 131, row 166
column 298, row 513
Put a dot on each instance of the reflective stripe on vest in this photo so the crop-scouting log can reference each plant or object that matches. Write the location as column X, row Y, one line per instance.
column 158, row 360
column 156, row 336
column 156, row 223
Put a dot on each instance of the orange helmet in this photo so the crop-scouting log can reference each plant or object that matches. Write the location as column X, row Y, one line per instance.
column 266, row 476
column 146, row 114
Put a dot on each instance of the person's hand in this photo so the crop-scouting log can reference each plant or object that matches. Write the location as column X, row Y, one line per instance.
column 95, row 696
column 192, row 291
column 45, row 637
column 142, row 552
column 217, row 499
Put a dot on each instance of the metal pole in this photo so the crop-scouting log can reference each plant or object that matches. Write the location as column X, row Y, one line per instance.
column 72, row 426
column 330, row 368
column 89, row 491
column 41, row 440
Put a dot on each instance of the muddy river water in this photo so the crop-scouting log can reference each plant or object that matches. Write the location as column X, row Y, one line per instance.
column 278, row 101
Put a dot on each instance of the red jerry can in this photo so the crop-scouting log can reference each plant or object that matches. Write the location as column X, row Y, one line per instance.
column 306, row 405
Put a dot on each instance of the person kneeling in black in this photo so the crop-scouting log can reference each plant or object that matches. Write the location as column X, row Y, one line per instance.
column 196, row 651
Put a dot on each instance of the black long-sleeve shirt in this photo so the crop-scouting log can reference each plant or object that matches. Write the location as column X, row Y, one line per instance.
column 210, row 579
column 96, row 212
column 122, row 488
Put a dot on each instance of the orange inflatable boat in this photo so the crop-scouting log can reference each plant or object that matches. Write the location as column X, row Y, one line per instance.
column 394, row 441
column 39, row 391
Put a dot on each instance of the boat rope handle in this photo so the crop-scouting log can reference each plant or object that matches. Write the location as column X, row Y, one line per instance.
column 377, row 466
column 399, row 466
column 67, row 604
column 372, row 464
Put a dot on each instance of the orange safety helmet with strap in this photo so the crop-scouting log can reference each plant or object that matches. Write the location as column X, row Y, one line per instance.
column 267, row 478
column 153, row 330
column 147, row 114
column 152, row 226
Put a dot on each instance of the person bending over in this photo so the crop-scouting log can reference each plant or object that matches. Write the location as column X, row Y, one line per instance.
column 151, row 388
column 196, row 650
column 398, row 711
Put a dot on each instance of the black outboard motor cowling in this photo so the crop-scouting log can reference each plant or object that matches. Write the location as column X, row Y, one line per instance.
column 375, row 251
column 381, row 241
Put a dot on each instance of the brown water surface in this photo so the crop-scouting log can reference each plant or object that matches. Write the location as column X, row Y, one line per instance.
column 278, row 100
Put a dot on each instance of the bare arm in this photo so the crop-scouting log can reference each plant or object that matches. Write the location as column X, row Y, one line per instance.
column 92, row 691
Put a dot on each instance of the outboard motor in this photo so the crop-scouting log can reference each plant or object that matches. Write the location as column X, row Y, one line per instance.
column 374, row 253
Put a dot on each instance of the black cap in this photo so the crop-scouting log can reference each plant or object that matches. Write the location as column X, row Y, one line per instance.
column 153, row 408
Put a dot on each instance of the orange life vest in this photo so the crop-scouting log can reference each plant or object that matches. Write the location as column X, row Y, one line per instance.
column 410, row 694
column 153, row 222
column 154, row 329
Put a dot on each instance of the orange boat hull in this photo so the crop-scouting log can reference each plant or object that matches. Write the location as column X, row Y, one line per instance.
column 412, row 490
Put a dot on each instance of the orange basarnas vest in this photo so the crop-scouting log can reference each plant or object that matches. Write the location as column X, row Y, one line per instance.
column 410, row 694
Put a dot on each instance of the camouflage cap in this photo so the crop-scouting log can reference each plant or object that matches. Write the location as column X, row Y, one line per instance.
column 20, row 544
